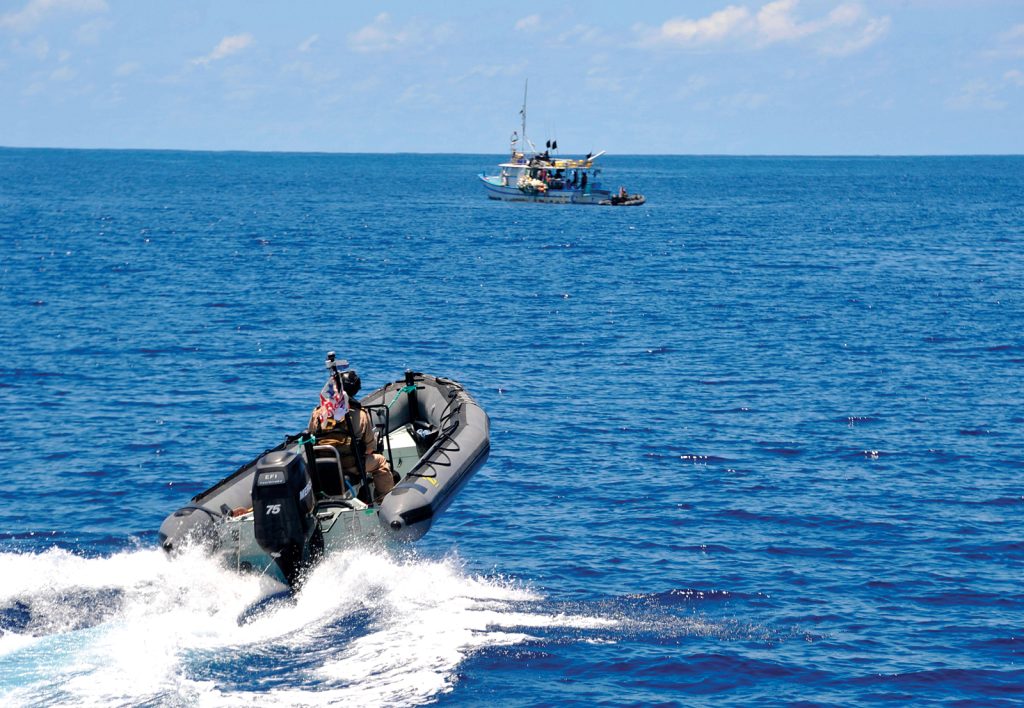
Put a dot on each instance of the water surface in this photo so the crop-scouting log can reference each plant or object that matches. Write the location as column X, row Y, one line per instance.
column 759, row 440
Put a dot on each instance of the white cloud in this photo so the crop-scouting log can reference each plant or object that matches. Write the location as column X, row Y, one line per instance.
column 308, row 43
column 601, row 79
column 693, row 85
column 1015, row 77
column 875, row 29
column 976, row 95
column 775, row 22
column 557, row 35
column 1015, row 32
column 381, row 36
column 1012, row 42
column 733, row 104
column 63, row 73
column 491, row 71
column 528, row 23
column 36, row 11
column 128, row 68
column 227, row 46
column 714, row 27
column 90, row 32
column 579, row 34
column 844, row 30
column 419, row 95
column 38, row 47
column 311, row 73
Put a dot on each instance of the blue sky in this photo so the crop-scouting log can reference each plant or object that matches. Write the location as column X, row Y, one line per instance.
column 717, row 77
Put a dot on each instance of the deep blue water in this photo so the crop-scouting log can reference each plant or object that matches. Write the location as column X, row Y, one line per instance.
column 760, row 440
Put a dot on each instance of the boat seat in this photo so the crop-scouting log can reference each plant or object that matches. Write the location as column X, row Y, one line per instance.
column 329, row 471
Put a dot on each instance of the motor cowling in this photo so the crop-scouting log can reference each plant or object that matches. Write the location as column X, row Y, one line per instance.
column 282, row 504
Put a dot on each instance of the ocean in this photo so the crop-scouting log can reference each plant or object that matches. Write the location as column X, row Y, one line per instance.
column 758, row 441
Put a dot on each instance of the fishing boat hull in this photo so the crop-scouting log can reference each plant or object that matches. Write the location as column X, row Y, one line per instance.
column 432, row 431
column 508, row 193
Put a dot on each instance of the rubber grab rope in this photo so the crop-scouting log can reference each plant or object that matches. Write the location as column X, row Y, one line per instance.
column 437, row 450
column 448, row 428
column 405, row 389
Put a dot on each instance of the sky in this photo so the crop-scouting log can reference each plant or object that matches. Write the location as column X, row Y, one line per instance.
column 746, row 77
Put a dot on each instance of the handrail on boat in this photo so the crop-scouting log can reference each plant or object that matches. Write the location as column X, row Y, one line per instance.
column 337, row 459
column 383, row 427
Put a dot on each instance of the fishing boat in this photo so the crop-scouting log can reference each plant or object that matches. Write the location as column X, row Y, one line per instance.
column 295, row 503
column 533, row 176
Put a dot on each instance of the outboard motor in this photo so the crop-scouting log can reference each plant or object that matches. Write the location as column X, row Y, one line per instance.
column 282, row 505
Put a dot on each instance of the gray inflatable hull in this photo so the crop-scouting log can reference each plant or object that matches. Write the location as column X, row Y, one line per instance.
column 437, row 437
column 460, row 449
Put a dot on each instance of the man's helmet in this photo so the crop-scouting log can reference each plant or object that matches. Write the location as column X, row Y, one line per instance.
column 350, row 382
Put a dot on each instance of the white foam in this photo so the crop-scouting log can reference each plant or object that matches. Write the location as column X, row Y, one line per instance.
column 416, row 622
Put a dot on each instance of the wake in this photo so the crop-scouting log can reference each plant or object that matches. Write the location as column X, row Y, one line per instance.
column 367, row 628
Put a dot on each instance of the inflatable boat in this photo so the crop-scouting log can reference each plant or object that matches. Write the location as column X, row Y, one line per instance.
column 281, row 512
column 622, row 199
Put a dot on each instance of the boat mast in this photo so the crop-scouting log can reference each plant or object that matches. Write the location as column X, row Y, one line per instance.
column 522, row 112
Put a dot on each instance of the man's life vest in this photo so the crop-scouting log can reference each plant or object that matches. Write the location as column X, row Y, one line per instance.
column 336, row 433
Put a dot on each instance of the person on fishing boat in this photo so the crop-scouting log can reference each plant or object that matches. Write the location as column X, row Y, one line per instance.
column 333, row 422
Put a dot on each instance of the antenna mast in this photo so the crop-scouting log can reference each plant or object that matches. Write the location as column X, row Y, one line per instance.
column 523, row 114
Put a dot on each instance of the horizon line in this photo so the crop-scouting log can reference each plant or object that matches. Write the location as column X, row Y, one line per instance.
column 491, row 154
